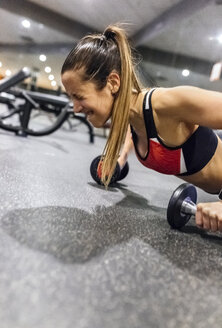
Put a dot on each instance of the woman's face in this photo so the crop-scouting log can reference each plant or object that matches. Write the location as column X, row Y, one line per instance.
column 96, row 104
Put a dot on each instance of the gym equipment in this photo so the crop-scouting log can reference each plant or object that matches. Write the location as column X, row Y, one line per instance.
column 119, row 174
column 58, row 108
column 124, row 171
column 182, row 205
column 8, row 82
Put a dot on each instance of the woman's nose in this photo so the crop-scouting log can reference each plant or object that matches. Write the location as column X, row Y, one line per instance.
column 77, row 107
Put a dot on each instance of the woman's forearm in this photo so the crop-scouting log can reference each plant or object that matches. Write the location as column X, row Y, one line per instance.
column 126, row 149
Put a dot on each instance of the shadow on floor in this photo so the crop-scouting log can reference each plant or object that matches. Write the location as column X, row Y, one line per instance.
column 75, row 236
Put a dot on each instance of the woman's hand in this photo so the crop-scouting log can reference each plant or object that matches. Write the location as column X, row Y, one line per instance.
column 209, row 216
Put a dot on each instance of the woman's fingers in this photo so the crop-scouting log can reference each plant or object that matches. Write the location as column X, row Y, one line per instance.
column 209, row 216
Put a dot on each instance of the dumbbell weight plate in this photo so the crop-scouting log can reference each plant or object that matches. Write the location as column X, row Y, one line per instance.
column 94, row 167
column 124, row 172
column 175, row 217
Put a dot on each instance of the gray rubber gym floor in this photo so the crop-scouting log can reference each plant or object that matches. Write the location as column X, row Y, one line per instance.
column 74, row 255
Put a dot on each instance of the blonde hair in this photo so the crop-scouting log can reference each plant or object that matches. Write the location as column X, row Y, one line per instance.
column 100, row 54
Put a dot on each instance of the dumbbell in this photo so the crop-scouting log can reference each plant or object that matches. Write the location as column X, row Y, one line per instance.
column 119, row 174
column 182, row 205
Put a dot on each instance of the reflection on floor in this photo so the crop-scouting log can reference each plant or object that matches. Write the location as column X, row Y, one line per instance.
column 75, row 255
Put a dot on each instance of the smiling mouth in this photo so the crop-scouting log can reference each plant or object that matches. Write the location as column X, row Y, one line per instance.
column 89, row 113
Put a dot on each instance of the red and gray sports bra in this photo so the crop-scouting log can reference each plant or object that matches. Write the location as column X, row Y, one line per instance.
column 186, row 159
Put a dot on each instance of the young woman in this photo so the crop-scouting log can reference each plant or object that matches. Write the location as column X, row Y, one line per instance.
column 171, row 127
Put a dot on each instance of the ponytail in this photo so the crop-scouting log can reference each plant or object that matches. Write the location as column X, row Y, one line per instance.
column 121, row 107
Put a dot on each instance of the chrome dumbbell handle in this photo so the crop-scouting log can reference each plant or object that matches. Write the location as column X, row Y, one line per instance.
column 188, row 207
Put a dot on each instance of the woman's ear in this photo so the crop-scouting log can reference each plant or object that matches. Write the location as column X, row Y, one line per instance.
column 114, row 82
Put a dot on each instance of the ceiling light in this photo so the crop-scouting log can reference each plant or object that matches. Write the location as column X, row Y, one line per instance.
column 53, row 83
column 42, row 58
column 48, row 69
column 26, row 23
column 216, row 71
column 185, row 72
column 8, row 72
column 219, row 38
column 51, row 77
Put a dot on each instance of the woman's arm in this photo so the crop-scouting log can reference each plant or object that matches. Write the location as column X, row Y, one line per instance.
column 198, row 107
column 190, row 104
column 126, row 149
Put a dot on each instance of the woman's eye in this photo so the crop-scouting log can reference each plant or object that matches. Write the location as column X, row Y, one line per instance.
column 78, row 97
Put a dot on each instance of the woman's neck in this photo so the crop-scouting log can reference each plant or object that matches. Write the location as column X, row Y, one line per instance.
column 136, row 108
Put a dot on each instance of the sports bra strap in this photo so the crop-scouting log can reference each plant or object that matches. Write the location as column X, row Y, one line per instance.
column 148, row 115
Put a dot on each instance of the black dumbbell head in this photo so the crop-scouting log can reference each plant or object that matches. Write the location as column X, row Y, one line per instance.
column 124, row 172
column 175, row 217
column 94, row 169
column 96, row 173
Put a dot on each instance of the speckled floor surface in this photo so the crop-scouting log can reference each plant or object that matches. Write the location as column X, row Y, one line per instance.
column 73, row 255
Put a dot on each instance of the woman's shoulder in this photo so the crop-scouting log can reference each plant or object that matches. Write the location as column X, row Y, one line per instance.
column 165, row 100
